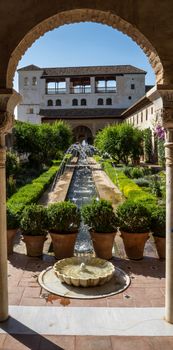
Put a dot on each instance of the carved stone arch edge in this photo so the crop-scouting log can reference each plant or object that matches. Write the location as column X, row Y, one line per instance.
column 84, row 15
column 9, row 99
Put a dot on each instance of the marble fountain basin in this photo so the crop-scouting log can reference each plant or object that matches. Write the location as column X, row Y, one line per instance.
column 82, row 272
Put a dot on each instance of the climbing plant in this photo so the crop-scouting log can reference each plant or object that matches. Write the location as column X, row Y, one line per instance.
column 160, row 135
column 147, row 134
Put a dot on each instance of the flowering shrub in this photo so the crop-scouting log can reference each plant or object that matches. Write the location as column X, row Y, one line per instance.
column 159, row 132
column 160, row 136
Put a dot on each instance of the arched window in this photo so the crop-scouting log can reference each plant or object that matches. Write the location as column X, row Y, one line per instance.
column 108, row 101
column 34, row 81
column 83, row 102
column 58, row 102
column 75, row 102
column 50, row 103
column 26, row 82
column 100, row 101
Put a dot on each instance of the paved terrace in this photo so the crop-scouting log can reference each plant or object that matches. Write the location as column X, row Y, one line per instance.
column 41, row 320
column 44, row 321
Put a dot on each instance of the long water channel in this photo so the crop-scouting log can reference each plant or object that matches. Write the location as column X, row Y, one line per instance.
column 81, row 191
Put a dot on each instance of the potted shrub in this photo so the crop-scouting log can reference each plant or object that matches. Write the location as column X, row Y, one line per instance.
column 33, row 226
column 134, row 224
column 63, row 225
column 12, row 227
column 102, row 221
column 158, row 228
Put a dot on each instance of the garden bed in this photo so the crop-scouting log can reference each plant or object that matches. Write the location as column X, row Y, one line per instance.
column 127, row 186
column 31, row 193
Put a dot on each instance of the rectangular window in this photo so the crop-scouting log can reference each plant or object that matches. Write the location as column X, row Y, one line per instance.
column 132, row 86
column 141, row 117
column 137, row 119
column 146, row 114
column 55, row 87
column 106, row 85
column 151, row 110
column 30, row 110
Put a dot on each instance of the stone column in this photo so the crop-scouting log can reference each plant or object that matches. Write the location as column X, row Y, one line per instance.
column 162, row 98
column 92, row 82
column 8, row 100
column 169, row 226
column 67, row 85
column 3, row 234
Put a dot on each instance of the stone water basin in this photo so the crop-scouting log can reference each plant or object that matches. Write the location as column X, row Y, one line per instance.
column 84, row 272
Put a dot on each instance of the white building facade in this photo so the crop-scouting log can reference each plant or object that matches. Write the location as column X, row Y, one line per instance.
column 90, row 97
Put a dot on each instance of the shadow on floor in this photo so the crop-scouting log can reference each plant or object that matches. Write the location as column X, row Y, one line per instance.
column 21, row 334
column 147, row 267
column 27, row 263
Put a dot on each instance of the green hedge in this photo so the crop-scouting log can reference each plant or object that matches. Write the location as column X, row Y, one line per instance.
column 31, row 193
column 129, row 189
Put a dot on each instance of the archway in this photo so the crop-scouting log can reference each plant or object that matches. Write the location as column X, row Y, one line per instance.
column 82, row 133
column 85, row 15
column 66, row 17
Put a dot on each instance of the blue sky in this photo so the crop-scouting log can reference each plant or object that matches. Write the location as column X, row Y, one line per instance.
column 86, row 44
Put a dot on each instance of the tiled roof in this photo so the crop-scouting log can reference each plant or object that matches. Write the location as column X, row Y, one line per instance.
column 93, row 70
column 89, row 70
column 81, row 112
column 30, row 68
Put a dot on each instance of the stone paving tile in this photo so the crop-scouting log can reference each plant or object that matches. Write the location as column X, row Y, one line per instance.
column 57, row 343
column 93, row 343
column 21, row 342
column 121, row 303
column 2, row 339
column 14, row 299
column 158, row 302
column 32, row 302
column 89, row 303
column 143, row 343
column 16, row 290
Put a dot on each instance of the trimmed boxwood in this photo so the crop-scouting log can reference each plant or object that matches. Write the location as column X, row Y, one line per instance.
column 13, row 219
column 99, row 216
column 133, row 217
column 31, row 193
column 34, row 220
column 63, row 217
column 158, row 221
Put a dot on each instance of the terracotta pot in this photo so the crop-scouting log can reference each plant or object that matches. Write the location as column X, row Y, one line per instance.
column 63, row 244
column 10, row 240
column 103, row 244
column 160, row 243
column 34, row 245
column 134, row 244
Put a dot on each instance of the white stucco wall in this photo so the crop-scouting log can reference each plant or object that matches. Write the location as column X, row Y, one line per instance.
column 35, row 97
column 143, row 118
column 31, row 96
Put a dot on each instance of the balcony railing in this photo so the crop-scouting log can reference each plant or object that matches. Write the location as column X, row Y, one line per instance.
column 80, row 90
column 106, row 89
column 53, row 91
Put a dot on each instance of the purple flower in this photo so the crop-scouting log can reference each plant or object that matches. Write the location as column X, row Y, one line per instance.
column 159, row 132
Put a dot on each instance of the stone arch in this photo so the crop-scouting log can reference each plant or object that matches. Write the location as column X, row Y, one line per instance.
column 85, row 15
column 82, row 132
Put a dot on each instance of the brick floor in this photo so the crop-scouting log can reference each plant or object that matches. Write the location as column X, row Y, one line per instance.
column 147, row 280
column 147, row 289
column 38, row 342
